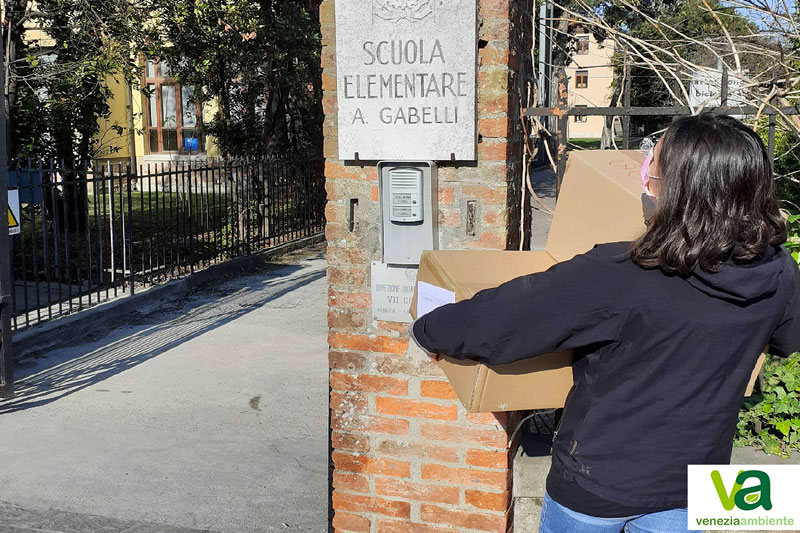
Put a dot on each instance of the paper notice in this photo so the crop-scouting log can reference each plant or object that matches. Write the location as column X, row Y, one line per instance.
column 429, row 297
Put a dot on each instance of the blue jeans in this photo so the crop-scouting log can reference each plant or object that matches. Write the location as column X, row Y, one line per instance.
column 559, row 519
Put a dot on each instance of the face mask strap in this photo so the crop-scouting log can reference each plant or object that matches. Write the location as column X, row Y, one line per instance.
column 646, row 176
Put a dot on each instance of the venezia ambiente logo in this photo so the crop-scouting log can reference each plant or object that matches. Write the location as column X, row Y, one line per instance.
column 743, row 497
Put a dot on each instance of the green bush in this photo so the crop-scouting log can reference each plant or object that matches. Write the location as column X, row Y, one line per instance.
column 786, row 165
column 793, row 244
column 770, row 418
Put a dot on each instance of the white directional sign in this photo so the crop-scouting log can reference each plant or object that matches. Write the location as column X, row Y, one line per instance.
column 705, row 89
column 406, row 75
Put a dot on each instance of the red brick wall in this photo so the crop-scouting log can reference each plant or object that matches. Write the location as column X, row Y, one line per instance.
column 407, row 456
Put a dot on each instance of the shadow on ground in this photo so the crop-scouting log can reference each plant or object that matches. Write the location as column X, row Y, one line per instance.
column 543, row 182
column 44, row 380
column 20, row 520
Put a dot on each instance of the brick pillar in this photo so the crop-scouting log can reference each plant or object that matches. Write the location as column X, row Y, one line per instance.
column 407, row 457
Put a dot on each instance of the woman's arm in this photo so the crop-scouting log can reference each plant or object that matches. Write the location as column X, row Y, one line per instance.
column 567, row 306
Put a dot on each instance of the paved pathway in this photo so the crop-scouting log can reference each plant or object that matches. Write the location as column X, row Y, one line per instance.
column 543, row 181
column 208, row 412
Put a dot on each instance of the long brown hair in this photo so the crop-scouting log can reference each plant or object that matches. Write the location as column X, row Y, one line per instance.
column 717, row 198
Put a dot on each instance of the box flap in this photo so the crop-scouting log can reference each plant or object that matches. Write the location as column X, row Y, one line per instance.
column 540, row 382
column 487, row 268
column 601, row 200
column 534, row 383
column 465, row 377
column 466, row 272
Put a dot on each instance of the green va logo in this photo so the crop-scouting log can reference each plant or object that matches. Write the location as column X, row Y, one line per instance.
column 745, row 499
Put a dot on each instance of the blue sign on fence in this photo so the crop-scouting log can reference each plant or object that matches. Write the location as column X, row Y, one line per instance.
column 29, row 183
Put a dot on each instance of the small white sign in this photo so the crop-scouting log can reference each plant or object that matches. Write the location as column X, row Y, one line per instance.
column 743, row 497
column 392, row 291
column 429, row 297
column 705, row 89
column 13, row 212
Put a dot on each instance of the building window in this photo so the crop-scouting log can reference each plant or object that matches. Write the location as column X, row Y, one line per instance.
column 581, row 118
column 581, row 79
column 582, row 45
column 173, row 123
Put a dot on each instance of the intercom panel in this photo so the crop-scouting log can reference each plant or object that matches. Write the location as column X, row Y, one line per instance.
column 409, row 219
column 405, row 194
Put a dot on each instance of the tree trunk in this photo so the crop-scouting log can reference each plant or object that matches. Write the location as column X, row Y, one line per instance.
column 315, row 122
column 562, row 37
column 607, row 139
column 13, row 35
column 274, row 120
column 224, row 97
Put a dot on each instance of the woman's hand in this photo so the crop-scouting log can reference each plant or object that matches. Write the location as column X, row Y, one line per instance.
column 411, row 336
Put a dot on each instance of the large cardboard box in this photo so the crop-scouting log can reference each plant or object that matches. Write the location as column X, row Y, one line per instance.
column 601, row 200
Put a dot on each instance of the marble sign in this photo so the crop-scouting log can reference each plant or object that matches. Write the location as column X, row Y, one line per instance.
column 392, row 290
column 406, row 77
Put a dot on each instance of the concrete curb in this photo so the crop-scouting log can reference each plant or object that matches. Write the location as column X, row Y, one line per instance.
column 99, row 318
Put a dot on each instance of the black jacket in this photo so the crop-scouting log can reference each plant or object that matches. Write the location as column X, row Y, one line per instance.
column 661, row 362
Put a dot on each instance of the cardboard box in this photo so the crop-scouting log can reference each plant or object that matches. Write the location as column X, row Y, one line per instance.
column 601, row 200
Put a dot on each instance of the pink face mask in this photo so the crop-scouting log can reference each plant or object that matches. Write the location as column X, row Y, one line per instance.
column 645, row 173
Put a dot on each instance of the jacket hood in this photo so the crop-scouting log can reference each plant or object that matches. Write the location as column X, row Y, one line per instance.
column 742, row 283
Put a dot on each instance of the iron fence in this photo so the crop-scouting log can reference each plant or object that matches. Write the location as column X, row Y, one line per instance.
column 90, row 234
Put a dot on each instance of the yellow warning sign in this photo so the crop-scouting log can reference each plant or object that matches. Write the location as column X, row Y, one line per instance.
column 13, row 211
column 12, row 221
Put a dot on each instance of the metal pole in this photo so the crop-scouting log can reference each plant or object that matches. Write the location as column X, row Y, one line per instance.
column 110, row 182
column 543, row 99
column 563, row 124
column 626, row 101
column 544, row 84
column 128, row 249
column 6, row 352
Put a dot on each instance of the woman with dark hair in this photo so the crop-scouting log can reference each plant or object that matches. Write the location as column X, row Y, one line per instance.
column 665, row 330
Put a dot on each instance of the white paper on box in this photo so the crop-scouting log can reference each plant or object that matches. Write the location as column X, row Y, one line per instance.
column 429, row 297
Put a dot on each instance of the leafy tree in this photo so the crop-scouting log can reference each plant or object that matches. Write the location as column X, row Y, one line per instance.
column 60, row 58
column 258, row 61
column 673, row 28
column 787, row 142
column 659, row 40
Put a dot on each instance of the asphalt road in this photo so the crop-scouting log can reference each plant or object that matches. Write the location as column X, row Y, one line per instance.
column 205, row 412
